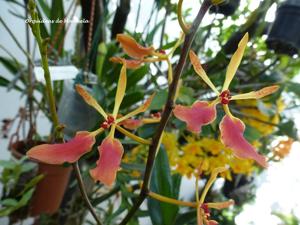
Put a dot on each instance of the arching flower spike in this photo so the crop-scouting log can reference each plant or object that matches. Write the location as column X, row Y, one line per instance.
column 229, row 124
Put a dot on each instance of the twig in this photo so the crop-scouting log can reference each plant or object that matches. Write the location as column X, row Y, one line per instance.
column 167, row 111
column 83, row 192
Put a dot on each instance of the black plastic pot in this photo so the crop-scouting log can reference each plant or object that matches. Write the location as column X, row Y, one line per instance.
column 74, row 113
column 227, row 8
column 284, row 36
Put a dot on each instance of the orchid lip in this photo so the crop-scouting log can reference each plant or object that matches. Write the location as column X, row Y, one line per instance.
column 108, row 122
column 225, row 97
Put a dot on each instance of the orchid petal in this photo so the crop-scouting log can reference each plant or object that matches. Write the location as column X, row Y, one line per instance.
column 212, row 222
column 199, row 114
column 232, row 130
column 235, row 61
column 220, row 205
column 90, row 100
column 130, row 63
column 65, row 152
column 131, row 124
column 110, row 151
column 120, row 90
column 257, row 94
column 200, row 71
column 140, row 109
column 132, row 48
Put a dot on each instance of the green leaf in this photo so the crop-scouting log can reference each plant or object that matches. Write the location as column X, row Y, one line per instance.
column 162, row 183
column 8, row 164
column 294, row 88
column 57, row 13
column 32, row 183
column 159, row 100
column 186, row 218
column 135, row 76
column 10, row 65
column 45, row 7
column 150, row 36
column 131, row 99
column 252, row 134
column 5, row 83
column 288, row 128
column 9, row 202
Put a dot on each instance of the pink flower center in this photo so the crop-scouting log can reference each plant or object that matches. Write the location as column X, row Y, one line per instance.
column 225, row 97
column 108, row 122
column 156, row 115
column 205, row 209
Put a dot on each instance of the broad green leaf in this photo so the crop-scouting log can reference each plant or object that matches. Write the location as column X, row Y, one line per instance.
column 131, row 99
column 162, row 183
column 7, row 164
column 186, row 218
column 288, row 128
column 159, row 101
column 135, row 76
column 252, row 134
column 293, row 87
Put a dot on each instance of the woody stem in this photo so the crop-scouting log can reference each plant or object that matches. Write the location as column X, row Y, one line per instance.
column 167, row 110
column 83, row 192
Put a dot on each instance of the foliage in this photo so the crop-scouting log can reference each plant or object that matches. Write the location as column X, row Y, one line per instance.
column 181, row 152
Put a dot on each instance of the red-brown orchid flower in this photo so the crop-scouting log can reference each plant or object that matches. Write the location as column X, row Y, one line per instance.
column 203, row 113
column 203, row 209
column 110, row 150
column 141, row 54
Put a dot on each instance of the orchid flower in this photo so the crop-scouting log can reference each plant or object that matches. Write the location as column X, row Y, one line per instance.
column 203, row 209
column 110, row 150
column 203, row 112
column 141, row 54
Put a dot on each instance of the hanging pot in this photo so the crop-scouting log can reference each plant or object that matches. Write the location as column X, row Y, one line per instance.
column 284, row 36
column 74, row 113
column 49, row 192
column 228, row 8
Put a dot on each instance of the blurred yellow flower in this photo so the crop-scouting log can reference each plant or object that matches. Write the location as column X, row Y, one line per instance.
column 258, row 119
column 207, row 152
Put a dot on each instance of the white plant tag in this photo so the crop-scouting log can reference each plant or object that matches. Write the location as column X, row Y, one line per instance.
column 57, row 73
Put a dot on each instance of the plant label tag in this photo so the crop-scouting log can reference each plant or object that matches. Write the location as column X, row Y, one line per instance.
column 56, row 72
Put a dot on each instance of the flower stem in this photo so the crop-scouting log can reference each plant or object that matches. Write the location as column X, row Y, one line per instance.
column 132, row 136
column 167, row 110
column 42, row 44
column 171, row 200
column 83, row 192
